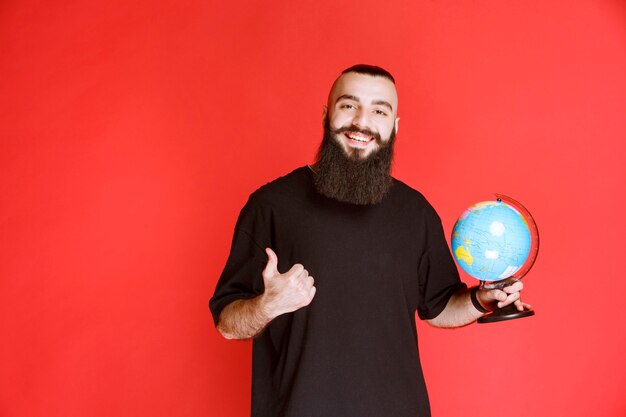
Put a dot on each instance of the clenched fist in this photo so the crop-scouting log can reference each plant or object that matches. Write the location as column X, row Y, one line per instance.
column 286, row 292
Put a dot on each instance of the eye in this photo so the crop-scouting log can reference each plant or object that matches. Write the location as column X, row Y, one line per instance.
column 347, row 106
column 380, row 112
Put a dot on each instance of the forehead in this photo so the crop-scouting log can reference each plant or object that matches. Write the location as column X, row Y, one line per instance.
column 366, row 88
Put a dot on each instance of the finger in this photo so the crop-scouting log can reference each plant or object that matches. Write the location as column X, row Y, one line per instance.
column 510, row 299
column 516, row 287
column 497, row 295
column 271, row 268
column 309, row 282
column 522, row 306
column 295, row 271
column 310, row 293
column 302, row 280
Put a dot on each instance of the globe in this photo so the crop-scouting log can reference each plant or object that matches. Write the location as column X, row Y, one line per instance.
column 492, row 240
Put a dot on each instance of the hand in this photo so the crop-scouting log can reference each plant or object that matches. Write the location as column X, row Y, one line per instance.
column 286, row 292
column 490, row 299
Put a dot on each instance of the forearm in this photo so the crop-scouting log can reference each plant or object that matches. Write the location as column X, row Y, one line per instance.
column 458, row 312
column 283, row 293
column 243, row 319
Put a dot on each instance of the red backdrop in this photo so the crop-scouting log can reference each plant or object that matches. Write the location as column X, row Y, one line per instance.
column 133, row 132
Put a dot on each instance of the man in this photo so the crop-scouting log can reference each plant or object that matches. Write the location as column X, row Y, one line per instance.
column 343, row 344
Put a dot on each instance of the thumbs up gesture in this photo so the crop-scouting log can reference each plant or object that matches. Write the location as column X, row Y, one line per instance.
column 286, row 292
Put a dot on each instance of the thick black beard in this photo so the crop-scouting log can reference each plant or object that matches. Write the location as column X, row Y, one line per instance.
column 352, row 179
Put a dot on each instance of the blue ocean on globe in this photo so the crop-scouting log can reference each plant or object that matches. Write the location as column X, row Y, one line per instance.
column 491, row 241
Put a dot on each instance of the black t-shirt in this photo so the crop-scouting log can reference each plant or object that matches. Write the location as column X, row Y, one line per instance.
column 353, row 351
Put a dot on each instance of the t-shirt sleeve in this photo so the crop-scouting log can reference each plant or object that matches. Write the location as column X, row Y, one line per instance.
column 438, row 275
column 242, row 274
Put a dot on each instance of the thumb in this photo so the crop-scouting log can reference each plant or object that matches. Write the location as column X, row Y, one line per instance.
column 271, row 269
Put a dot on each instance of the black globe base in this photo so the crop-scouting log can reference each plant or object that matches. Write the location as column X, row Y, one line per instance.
column 509, row 312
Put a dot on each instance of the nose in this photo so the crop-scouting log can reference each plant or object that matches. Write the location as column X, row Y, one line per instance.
column 360, row 119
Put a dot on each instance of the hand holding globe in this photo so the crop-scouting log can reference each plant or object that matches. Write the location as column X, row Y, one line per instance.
column 497, row 243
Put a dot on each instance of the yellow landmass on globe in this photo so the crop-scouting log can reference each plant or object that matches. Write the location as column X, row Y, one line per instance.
column 463, row 254
column 475, row 209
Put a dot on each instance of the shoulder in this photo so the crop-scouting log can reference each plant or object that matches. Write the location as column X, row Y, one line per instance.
column 278, row 196
column 411, row 198
column 411, row 204
column 290, row 186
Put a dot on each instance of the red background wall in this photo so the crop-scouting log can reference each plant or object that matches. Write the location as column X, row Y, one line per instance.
column 133, row 132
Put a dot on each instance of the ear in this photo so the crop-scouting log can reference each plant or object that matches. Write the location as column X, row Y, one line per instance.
column 324, row 114
column 397, row 123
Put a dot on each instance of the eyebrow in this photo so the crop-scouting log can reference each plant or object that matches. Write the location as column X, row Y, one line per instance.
column 355, row 98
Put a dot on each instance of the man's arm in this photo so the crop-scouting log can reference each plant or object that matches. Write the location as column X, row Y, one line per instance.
column 284, row 293
column 243, row 319
column 460, row 311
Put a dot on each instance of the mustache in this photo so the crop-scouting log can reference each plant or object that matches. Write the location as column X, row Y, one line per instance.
column 353, row 128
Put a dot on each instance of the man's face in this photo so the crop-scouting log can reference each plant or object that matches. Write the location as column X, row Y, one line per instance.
column 361, row 110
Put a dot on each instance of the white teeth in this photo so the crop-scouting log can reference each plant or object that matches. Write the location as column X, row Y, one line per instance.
column 358, row 138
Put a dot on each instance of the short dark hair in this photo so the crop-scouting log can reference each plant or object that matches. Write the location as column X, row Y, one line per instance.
column 370, row 70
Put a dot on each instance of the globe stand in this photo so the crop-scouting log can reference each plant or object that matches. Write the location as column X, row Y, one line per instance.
column 508, row 312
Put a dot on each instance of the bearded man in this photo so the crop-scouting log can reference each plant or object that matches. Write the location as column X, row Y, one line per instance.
column 343, row 344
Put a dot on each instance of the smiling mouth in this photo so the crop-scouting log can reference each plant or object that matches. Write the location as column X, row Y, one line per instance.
column 358, row 139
